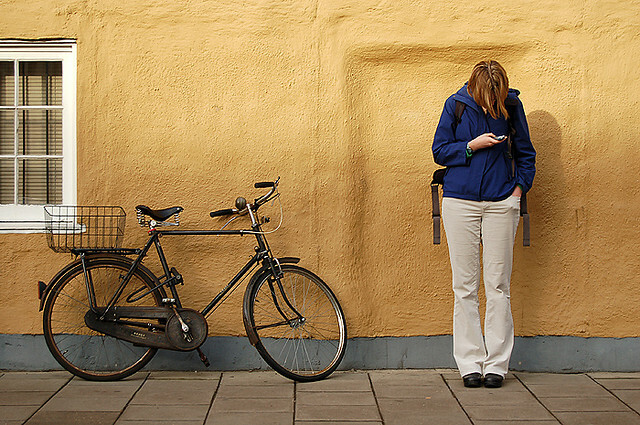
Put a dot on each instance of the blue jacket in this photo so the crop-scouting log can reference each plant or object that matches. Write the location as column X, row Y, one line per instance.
column 487, row 175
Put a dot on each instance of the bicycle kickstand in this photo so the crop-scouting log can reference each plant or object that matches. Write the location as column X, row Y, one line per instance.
column 203, row 358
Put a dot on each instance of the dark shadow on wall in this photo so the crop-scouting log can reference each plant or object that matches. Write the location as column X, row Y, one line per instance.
column 536, row 268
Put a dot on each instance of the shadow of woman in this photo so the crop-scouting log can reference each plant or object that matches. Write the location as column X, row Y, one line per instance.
column 536, row 268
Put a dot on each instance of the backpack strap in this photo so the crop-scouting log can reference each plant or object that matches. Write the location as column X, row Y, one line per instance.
column 460, row 106
column 526, row 228
column 438, row 176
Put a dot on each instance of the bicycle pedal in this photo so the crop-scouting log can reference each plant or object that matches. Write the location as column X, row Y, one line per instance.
column 203, row 358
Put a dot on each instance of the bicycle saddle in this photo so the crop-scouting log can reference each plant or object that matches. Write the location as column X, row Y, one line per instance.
column 159, row 215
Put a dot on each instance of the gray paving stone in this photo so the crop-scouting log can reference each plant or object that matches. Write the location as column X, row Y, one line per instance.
column 419, row 392
column 495, row 397
column 262, row 418
column 124, row 383
column 88, row 403
column 553, row 378
column 337, row 413
column 492, row 422
column 508, row 413
column 339, row 382
column 253, row 378
column 631, row 397
column 73, row 418
column 262, row 391
column 613, row 375
column 559, row 390
column 598, row 418
column 156, row 421
column 175, row 392
column 620, row 383
column 582, row 404
column 196, row 412
column 252, row 405
column 13, row 383
column 405, row 377
column 24, row 398
column 37, row 375
column 337, row 423
column 419, row 412
column 17, row 413
column 172, row 375
column 335, row 398
column 76, row 390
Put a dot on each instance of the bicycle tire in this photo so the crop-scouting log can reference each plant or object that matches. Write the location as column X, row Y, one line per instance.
column 80, row 350
column 304, row 351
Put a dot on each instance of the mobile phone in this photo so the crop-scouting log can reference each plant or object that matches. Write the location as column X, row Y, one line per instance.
column 500, row 138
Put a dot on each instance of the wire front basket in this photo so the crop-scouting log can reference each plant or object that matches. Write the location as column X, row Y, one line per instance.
column 83, row 227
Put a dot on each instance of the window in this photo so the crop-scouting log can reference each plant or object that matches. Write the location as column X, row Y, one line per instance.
column 37, row 131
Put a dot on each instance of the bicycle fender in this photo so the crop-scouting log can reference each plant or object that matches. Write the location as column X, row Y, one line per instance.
column 66, row 269
column 245, row 304
column 54, row 280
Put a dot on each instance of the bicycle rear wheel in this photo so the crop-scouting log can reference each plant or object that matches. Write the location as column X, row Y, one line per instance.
column 306, row 349
column 82, row 351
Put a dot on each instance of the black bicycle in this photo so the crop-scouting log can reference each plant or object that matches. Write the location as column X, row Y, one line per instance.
column 106, row 314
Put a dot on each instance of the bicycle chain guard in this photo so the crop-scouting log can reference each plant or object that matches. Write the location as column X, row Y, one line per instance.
column 123, row 323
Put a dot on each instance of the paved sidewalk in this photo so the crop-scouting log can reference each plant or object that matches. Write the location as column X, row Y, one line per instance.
column 389, row 397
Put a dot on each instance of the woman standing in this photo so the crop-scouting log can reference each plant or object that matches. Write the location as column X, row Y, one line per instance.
column 483, row 183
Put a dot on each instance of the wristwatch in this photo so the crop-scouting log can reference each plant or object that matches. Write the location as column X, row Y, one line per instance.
column 469, row 150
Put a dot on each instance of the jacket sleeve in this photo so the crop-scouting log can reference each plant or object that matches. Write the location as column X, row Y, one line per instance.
column 446, row 149
column 524, row 153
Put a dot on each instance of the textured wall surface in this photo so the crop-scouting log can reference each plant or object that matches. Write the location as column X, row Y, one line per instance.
column 189, row 103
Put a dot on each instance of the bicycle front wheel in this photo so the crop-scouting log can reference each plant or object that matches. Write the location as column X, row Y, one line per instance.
column 306, row 348
column 85, row 352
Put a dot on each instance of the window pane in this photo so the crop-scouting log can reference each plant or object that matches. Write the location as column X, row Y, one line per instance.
column 7, row 129
column 39, row 181
column 40, row 83
column 40, row 132
column 6, row 181
column 7, row 83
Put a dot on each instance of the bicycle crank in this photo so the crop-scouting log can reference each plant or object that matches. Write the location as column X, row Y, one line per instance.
column 196, row 325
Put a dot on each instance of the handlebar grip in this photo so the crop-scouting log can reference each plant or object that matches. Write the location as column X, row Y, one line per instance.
column 220, row 213
column 260, row 185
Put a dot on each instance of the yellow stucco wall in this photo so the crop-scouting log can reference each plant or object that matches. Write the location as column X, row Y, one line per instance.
column 189, row 103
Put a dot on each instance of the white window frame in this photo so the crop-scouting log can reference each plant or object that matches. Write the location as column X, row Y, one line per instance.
column 30, row 218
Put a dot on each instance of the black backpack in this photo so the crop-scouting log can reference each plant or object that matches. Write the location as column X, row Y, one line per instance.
column 438, row 178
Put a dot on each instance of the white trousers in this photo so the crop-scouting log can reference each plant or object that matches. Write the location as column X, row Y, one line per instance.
column 468, row 226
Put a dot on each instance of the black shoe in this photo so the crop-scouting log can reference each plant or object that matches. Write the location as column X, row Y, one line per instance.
column 472, row 380
column 492, row 380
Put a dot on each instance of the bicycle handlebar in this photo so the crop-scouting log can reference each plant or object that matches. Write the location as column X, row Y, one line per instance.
column 220, row 213
column 257, row 202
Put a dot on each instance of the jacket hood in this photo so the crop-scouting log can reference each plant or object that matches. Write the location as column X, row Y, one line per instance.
column 463, row 96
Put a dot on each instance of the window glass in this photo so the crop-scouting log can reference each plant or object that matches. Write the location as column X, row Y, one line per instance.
column 40, row 132
column 7, row 132
column 6, row 181
column 39, row 181
column 7, row 82
column 40, row 83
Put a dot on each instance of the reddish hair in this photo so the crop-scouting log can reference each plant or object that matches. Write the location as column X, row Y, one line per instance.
column 489, row 86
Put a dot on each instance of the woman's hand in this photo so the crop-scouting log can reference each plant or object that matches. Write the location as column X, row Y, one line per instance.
column 517, row 191
column 483, row 141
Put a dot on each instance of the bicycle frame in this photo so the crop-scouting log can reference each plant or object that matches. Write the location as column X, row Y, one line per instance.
column 171, row 278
